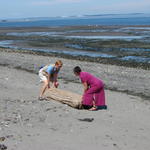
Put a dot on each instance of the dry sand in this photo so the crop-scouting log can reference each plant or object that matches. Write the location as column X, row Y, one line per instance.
column 29, row 124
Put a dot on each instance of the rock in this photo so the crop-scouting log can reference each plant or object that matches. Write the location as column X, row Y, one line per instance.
column 3, row 147
column 2, row 138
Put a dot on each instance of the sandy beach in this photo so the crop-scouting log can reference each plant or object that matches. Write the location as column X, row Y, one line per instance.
column 27, row 124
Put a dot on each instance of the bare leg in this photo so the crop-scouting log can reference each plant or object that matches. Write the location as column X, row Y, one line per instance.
column 94, row 106
column 43, row 88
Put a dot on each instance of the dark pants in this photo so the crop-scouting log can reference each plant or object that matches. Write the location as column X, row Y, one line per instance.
column 98, row 107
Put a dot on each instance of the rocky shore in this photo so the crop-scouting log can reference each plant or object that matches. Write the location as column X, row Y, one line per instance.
column 26, row 123
column 133, row 81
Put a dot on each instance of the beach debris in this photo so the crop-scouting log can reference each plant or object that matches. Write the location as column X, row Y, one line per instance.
column 64, row 96
column 87, row 119
column 2, row 139
column 3, row 147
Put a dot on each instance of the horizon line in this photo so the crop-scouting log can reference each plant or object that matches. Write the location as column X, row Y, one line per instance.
column 76, row 16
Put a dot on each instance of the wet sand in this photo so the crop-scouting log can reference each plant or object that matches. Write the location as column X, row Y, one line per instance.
column 27, row 123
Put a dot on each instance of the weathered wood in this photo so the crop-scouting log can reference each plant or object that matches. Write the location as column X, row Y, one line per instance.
column 63, row 96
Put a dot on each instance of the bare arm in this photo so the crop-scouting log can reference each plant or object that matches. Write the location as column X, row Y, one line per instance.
column 48, row 80
column 55, row 77
column 55, row 80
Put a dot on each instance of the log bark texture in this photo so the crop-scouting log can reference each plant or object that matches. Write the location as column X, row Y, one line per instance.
column 63, row 96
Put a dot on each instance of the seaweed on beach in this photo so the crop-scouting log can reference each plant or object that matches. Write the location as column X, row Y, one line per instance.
column 57, row 42
column 87, row 119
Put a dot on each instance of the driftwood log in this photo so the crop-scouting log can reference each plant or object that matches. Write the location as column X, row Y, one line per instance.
column 63, row 96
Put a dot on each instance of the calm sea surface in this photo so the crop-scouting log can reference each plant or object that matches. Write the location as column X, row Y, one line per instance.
column 74, row 22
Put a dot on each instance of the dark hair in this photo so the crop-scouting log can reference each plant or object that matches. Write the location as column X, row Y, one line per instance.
column 77, row 69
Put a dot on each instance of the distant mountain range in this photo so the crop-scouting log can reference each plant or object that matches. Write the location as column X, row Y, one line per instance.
column 77, row 17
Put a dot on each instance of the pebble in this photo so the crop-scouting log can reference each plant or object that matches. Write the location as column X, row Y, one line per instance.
column 2, row 138
column 3, row 147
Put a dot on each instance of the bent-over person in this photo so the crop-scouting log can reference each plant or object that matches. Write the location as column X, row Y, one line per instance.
column 94, row 96
column 49, row 75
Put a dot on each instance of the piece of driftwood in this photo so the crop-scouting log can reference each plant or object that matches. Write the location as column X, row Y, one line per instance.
column 63, row 96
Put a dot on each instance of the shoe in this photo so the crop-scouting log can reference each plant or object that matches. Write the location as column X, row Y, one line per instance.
column 41, row 98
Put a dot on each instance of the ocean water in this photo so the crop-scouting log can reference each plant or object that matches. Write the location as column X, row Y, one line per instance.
column 61, row 34
column 106, row 37
column 87, row 52
column 138, row 33
column 78, row 22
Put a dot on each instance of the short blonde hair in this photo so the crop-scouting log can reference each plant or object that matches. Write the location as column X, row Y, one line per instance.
column 58, row 62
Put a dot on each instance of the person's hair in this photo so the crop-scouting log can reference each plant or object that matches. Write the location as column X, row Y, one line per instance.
column 77, row 69
column 58, row 62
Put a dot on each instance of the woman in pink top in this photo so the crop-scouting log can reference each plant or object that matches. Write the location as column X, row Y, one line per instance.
column 94, row 96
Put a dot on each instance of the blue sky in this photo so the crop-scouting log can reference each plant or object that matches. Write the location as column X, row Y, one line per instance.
column 51, row 8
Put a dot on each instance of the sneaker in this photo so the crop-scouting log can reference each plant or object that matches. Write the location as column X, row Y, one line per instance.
column 41, row 98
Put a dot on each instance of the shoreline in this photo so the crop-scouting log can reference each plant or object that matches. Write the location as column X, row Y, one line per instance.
column 118, row 73
column 109, row 61
column 55, row 40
